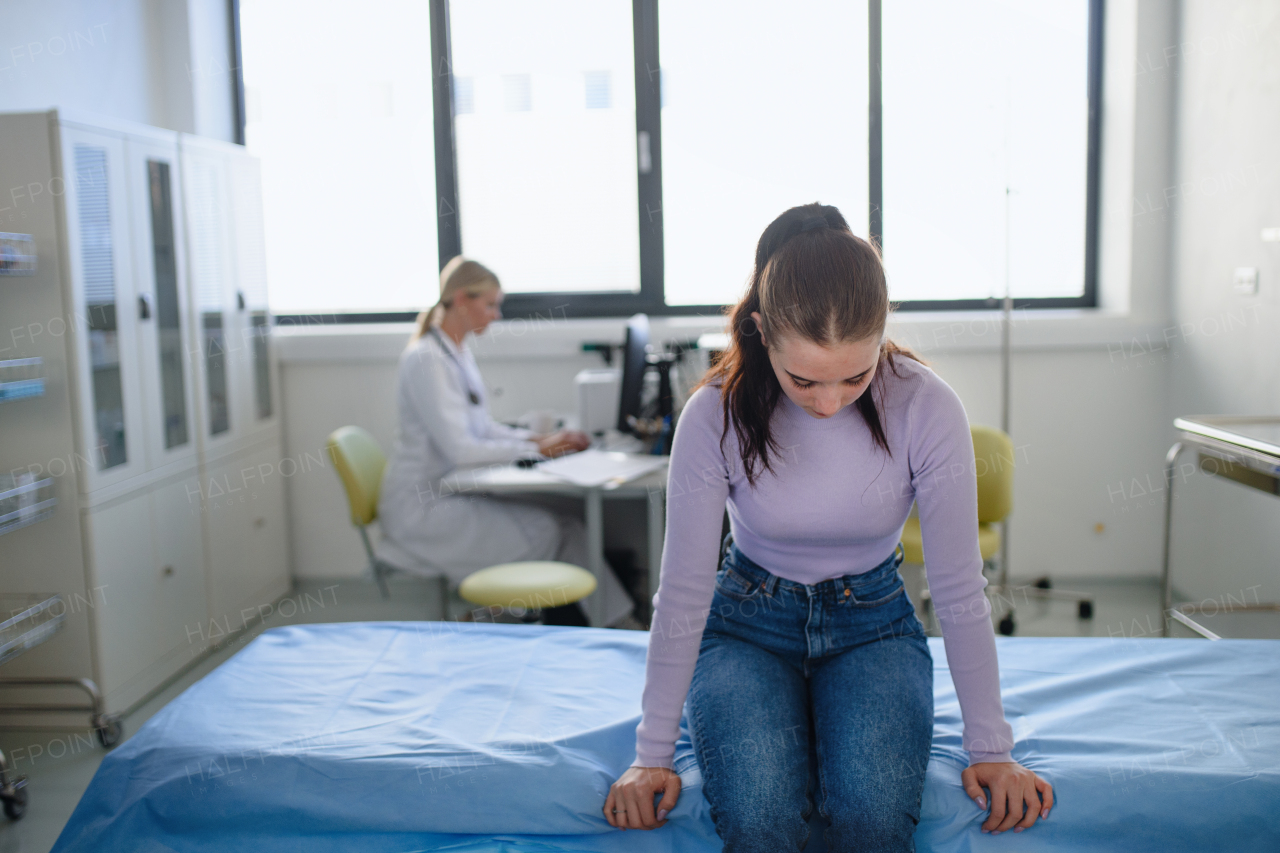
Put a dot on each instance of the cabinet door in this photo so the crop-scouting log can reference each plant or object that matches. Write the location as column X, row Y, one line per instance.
column 254, row 320
column 248, row 555
column 147, row 558
column 105, row 308
column 180, row 595
column 212, row 274
column 119, row 544
column 163, row 329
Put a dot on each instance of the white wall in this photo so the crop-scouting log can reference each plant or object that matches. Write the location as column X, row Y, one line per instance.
column 160, row 62
column 1227, row 67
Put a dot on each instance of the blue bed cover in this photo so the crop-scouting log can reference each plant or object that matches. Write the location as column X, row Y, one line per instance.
column 464, row 737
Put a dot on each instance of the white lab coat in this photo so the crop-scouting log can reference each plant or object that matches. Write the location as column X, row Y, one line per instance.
column 430, row 530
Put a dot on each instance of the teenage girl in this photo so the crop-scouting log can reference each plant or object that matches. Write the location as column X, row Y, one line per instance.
column 796, row 646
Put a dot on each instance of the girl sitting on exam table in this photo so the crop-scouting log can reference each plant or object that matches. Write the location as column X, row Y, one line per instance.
column 796, row 646
column 444, row 426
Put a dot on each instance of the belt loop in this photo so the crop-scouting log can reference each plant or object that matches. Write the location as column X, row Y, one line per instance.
column 900, row 553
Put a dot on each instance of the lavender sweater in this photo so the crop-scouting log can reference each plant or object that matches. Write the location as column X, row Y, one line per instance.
column 834, row 505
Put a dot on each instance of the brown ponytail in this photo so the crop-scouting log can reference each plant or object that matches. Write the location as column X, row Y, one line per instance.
column 815, row 278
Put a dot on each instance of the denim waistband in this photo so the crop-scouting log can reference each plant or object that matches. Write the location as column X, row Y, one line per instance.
column 753, row 571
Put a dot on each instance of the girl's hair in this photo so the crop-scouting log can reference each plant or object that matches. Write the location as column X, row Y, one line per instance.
column 813, row 278
column 472, row 277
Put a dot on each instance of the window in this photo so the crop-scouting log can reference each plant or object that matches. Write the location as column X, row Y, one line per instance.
column 609, row 156
column 339, row 110
column 986, row 148
column 769, row 114
column 546, row 154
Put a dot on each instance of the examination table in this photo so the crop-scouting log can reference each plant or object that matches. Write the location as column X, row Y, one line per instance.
column 491, row 737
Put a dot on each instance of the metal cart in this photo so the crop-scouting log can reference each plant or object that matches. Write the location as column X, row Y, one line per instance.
column 1240, row 448
column 29, row 620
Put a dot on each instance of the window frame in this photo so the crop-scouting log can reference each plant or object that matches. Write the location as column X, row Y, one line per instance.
column 651, row 297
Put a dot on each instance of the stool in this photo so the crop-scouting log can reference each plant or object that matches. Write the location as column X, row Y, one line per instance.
column 530, row 586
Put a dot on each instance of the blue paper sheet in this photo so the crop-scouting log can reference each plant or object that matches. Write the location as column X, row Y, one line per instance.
column 468, row 738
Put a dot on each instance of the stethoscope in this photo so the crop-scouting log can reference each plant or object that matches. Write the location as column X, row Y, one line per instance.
column 466, row 377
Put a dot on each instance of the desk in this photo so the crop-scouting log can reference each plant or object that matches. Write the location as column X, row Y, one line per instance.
column 1243, row 449
column 512, row 480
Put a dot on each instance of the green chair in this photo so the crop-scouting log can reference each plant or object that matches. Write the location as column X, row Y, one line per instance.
column 526, row 586
column 993, row 454
column 993, row 464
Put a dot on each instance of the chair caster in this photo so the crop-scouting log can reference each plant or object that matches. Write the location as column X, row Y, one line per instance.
column 1007, row 625
column 1044, row 583
column 1086, row 610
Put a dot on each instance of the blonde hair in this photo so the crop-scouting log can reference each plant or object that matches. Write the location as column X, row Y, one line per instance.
column 460, row 274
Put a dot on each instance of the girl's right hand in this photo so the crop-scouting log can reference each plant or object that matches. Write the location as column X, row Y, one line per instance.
column 630, row 801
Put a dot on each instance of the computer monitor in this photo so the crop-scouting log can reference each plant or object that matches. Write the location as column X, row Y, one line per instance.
column 634, row 350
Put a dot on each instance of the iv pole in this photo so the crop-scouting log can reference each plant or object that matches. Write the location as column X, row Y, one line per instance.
column 1042, row 588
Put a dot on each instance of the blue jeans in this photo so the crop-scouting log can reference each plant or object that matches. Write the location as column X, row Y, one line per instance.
column 805, row 692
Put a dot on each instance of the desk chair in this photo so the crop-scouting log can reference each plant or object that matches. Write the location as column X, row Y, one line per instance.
column 994, row 462
column 527, row 587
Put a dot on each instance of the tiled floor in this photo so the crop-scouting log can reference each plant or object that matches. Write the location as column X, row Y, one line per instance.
column 60, row 763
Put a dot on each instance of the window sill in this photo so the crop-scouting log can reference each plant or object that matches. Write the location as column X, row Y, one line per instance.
column 925, row 332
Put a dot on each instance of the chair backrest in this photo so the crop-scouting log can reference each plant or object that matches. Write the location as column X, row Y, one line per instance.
column 993, row 461
column 360, row 462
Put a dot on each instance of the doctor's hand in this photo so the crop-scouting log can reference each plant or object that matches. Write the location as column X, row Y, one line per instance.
column 630, row 801
column 562, row 442
column 1011, row 786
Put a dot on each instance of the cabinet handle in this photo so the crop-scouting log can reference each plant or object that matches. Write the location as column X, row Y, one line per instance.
column 259, row 522
column 144, row 308
column 167, row 571
column 240, row 300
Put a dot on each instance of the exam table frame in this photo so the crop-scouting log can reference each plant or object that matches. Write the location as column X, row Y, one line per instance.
column 1221, row 453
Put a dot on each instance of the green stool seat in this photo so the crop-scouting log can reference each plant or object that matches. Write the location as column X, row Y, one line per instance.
column 531, row 585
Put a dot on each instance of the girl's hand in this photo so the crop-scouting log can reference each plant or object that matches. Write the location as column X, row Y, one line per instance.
column 1012, row 786
column 630, row 801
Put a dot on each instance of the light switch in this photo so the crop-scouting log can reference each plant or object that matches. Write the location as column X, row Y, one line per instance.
column 1246, row 281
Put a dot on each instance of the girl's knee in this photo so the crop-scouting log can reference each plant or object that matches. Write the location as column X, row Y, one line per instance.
column 868, row 831
column 881, row 825
column 747, row 827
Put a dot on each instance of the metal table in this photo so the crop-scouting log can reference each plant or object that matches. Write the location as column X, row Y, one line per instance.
column 1239, row 448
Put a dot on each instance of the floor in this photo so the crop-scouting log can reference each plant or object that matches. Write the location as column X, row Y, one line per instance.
column 60, row 764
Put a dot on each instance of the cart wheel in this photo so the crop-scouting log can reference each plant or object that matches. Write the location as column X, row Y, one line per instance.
column 15, row 804
column 110, row 732
column 1086, row 610
column 1007, row 625
column 1044, row 583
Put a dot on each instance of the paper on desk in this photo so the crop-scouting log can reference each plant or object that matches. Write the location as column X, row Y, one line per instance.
column 598, row 467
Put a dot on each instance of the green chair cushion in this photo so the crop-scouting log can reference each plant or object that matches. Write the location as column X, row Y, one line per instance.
column 988, row 541
column 531, row 585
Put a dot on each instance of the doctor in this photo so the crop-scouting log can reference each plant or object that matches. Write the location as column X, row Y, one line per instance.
column 445, row 425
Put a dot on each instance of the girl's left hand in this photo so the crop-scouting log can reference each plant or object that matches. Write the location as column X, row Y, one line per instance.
column 1011, row 786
